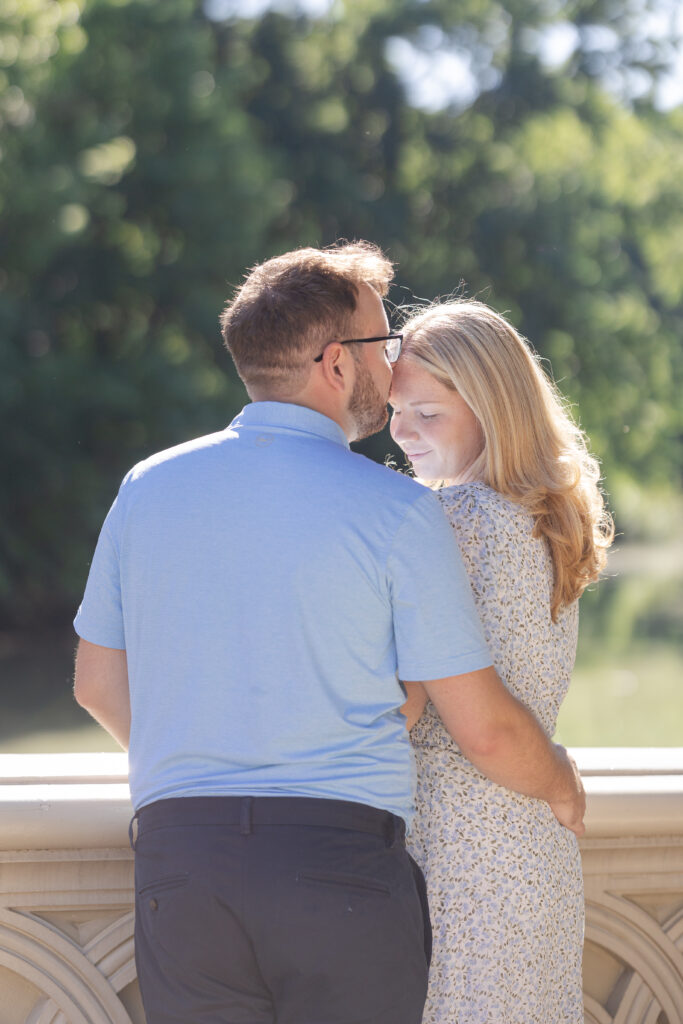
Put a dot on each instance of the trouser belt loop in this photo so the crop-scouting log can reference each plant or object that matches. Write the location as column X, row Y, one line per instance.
column 133, row 830
column 246, row 815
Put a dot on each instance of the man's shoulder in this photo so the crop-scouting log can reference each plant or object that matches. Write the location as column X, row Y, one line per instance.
column 384, row 477
column 180, row 457
column 385, row 480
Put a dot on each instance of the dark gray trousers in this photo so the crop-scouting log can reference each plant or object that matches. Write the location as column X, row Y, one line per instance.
column 278, row 911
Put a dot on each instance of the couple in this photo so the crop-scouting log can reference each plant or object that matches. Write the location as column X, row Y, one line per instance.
column 254, row 599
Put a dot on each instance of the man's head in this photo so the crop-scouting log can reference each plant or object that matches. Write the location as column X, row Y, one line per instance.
column 292, row 307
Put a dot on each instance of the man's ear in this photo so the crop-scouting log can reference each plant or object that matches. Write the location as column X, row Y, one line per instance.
column 337, row 367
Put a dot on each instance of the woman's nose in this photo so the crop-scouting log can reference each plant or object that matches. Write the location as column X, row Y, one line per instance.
column 401, row 429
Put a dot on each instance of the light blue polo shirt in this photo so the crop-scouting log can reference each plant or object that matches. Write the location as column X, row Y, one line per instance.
column 270, row 587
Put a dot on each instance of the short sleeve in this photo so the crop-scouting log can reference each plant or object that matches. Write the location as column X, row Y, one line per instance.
column 436, row 625
column 100, row 616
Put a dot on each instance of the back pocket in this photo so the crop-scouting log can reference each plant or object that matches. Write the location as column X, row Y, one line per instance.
column 165, row 884
column 341, row 880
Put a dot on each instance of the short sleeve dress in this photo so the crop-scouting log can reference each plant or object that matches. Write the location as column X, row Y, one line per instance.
column 503, row 876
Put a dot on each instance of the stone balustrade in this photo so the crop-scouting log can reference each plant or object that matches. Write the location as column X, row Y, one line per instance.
column 66, row 889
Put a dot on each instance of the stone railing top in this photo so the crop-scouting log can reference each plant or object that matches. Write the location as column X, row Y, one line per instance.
column 623, row 761
column 68, row 801
column 23, row 769
column 29, row 769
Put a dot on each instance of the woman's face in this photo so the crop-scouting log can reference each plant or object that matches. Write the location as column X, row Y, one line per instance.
column 433, row 425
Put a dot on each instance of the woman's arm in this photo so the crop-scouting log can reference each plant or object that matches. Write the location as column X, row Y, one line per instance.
column 416, row 699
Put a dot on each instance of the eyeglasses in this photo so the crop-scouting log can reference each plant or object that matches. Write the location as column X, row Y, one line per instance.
column 392, row 349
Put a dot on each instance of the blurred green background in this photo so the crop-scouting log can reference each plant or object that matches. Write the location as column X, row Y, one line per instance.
column 529, row 153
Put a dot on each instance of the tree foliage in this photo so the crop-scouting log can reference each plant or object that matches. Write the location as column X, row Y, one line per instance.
column 150, row 153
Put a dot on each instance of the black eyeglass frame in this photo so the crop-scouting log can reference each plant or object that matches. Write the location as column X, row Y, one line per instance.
column 362, row 341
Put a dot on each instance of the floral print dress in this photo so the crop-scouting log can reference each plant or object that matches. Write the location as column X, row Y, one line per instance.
column 503, row 876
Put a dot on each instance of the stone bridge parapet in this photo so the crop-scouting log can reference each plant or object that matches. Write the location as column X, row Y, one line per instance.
column 66, row 889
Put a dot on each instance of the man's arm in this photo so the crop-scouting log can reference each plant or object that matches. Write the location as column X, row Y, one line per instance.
column 503, row 739
column 101, row 687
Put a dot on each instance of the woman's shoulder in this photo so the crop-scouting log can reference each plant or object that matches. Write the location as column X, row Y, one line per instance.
column 478, row 501
column 496, row 539
column 491, row 527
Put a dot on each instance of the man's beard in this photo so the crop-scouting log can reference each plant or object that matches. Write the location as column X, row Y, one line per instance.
column 368, row 408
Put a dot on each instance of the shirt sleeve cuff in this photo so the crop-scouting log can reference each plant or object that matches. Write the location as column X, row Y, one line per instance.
column 470, row 662
column 98, row 635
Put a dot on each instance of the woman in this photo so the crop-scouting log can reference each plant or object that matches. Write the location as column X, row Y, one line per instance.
column 477, row 417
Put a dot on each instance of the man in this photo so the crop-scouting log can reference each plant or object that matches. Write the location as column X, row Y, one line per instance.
column 253, row 601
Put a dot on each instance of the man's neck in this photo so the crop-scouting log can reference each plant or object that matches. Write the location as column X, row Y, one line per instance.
column 325, row 408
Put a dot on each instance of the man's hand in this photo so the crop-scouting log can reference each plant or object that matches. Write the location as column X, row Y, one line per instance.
column 503, row 739
column 570, row 811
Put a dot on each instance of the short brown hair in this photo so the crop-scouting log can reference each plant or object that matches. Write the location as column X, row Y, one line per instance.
column 291, row 306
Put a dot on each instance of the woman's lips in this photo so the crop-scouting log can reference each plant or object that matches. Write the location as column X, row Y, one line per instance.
column 416, row 455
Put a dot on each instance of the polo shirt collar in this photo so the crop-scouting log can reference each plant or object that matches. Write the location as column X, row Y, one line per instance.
column 286, row 416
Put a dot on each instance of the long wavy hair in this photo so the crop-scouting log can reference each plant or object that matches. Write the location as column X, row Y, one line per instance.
column 534, row 453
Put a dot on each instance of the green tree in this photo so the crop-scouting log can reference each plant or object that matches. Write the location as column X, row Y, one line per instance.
column 150, row 154
column 133, row 192
column 554, row 193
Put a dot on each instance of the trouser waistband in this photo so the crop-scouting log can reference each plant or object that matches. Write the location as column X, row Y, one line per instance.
column 249, row 812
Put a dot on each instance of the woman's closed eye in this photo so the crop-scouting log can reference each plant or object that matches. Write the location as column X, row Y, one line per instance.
column 395, row 413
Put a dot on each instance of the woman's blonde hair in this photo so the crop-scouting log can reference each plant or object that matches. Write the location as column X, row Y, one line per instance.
column 534, row 453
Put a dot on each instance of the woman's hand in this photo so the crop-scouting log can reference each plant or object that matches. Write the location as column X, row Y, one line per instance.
column 416, row 699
